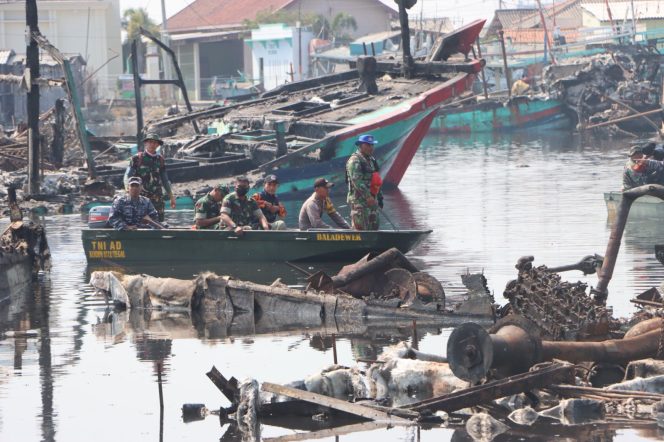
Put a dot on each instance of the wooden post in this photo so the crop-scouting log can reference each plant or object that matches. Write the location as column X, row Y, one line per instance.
column 334, row 349
column 137, row 91
column 32, row 62
column 508, row 76
column 479, row 54
column 407, row 66
column 58, row 143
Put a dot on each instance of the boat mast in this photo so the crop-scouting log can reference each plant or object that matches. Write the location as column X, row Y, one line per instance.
column 407, row 67
column 546, row 32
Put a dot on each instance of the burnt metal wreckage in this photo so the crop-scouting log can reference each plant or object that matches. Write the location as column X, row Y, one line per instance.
column 554, row 352
column 620, row 89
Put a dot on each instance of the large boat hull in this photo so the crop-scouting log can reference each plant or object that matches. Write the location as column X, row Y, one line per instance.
column 495, row 115
column 106, row 246
column 399, row 130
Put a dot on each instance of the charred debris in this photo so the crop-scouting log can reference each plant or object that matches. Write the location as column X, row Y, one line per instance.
column 615, row 93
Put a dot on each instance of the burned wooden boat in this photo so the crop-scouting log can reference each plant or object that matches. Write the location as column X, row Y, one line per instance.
column 107, row 246
column 23, row 252
column 307, row 129
column 490, row 115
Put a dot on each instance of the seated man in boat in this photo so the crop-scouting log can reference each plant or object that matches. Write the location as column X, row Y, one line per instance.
column 319, row 202
column 131, row 210
column 207, row 209
column 240, row 213
column 270, row 205
column 641, row 170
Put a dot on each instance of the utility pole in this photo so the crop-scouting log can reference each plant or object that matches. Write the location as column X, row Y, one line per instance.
column 32, row 62
column 166, row 40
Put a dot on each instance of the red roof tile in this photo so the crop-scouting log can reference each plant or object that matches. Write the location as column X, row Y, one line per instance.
column 220, row 13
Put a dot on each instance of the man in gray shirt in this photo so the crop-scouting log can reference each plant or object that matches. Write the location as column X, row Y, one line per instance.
column 319, row 202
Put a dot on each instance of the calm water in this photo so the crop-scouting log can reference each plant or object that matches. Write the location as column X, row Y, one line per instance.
column 71, row 371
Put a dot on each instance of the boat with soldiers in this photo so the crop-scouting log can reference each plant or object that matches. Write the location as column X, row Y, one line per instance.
column 108, row 246
column 305, row 130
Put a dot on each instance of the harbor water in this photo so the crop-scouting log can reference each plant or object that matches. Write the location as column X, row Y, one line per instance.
column 72, row 369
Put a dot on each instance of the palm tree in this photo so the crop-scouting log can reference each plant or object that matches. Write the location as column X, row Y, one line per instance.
column 335, row 30
column 135, row 18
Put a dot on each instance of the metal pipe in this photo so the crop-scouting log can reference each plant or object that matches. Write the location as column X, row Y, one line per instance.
column 613, row 247
column 627, row 118
column 630, row 108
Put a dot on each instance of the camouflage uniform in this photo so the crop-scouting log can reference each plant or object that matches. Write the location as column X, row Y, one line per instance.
column 653, row 173
column 207, row 208
column 152, row 170
column 127, row 212
column 359, row 170
column 243, row 212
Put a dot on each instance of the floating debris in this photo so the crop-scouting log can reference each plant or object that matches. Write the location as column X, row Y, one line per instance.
column 524, row 416
column 483, row 427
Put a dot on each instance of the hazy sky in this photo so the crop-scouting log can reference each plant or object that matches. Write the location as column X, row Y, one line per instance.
column 460, row 10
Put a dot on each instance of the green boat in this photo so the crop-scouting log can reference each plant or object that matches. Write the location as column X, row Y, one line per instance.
column 106, row 246
column 643, row 208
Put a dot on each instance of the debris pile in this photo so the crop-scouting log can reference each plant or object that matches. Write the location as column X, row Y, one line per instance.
column 610, row 87
column 22, row 240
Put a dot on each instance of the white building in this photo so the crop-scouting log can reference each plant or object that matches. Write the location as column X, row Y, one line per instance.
column 284, row 51
column 90, row 28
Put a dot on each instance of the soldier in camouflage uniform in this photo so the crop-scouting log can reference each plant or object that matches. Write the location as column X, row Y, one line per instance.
column 207, row 209
column 130, row 211
column 240, row 213
column 364, row 195
column 640, row 170
column 151, row 168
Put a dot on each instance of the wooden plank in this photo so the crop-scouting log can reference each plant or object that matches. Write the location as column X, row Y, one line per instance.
column 336, row 404
column 227, row 387
column 329, row 432
column 480, row 394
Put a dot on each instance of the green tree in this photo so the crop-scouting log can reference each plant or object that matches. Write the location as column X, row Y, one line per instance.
column 135, row 18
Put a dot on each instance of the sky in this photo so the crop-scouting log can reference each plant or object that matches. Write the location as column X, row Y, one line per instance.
column 462, row 11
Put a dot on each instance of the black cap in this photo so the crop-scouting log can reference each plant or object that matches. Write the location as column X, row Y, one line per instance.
column 242, row 178
column 322, row 182
column 271, row 179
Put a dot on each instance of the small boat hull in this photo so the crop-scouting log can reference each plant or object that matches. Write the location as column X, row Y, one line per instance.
column 496, row 115
column 644, row 207
column 106, row 246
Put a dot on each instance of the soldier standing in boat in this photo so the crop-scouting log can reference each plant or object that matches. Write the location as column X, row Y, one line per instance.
column 240, row 213
column 364, row 181
column 129, row 211
column 150, row 166
column 207, row 211
column 269, row 203
column 641, row 170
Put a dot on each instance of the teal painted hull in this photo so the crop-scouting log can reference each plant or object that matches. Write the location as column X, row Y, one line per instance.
column 495, row 115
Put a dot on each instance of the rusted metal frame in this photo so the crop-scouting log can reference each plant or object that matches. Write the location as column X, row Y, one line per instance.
column 613, row 246
column 380, row 262
column 556, row 373
column 228, row 387
column 179, row 82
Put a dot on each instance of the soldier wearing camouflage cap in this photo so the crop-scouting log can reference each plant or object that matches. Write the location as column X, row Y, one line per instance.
column 207, row 211
column 150, row 166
